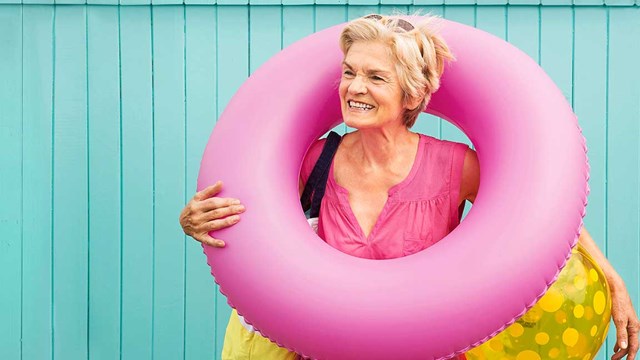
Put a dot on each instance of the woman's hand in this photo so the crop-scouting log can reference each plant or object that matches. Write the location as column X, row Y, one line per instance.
column 205, row 213
column 626, row 322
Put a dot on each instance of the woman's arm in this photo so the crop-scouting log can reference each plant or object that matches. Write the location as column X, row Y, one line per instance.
column 615, row 281
column 470, row 177
column 622, row 311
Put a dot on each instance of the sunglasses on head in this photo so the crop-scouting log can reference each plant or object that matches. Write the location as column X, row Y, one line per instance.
column 401, row 23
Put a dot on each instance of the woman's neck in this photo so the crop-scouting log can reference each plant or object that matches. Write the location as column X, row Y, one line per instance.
column 381, row 148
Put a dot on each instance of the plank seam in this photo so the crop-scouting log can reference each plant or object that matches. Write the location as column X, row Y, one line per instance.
column 88, row 154
column 184, row 196
column 121, row 181
column 153, row 186
column 53, row 148
column 21, row 179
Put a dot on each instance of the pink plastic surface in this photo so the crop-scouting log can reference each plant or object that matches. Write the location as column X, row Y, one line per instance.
column 311, row 298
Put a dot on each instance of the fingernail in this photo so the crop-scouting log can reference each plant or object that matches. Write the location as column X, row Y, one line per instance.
column 241, row 207
column 235, row 202
column 623, row 345
column 220, row 243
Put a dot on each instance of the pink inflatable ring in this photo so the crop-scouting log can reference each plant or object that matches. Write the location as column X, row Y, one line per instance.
column 319, row 302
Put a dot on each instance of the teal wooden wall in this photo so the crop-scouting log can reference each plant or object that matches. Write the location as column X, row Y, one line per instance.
column 104, row 114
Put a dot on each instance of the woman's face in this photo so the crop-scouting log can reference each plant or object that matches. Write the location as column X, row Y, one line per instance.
column 370, row 94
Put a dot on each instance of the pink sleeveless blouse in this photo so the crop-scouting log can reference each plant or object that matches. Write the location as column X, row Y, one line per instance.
column 419, row 212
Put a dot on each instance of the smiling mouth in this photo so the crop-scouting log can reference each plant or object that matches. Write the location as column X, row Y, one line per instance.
column 354, row 105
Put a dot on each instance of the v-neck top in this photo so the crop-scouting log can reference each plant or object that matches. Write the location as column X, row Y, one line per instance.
column 420, row 210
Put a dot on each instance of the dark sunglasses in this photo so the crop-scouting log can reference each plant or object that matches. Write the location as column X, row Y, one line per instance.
column 401, row 23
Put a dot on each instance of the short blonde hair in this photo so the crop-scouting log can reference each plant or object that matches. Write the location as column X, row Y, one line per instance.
column 419, row 54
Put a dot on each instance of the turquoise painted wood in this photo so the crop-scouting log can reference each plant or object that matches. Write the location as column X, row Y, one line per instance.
column 168, row 180
column 70, row 185
column 105, row 193
column 201, row 113
column 37, row 169
column 11, row 187
column 137, row 217
column 104, row 115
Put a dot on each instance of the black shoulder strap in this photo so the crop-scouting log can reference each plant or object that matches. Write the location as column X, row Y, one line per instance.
column 314, row 188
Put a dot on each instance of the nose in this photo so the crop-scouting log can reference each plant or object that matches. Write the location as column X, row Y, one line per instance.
column 357, row 86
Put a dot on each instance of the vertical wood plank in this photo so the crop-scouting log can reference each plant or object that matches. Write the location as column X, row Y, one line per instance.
column 459, row 2
column 104, row 181
column 199, row 2
column 523, row 29
column 556, row 46
column 556, row 2
column 619, row 2
column 265, row 32
column 297, row 22
column 623, row 108
column 135, row 2
column 70, row 2
column 492, row 19
column 588, row 2
column 356, row 11
column 137, row 181
column 428, row 2
column 233, row 69
column 70, row 182
column 11, row 180
column 331, row 2
column 427, row 123
column 37, row 104
column 524, row 2
column 399, row 3
column 327, row 16
column 37, row 2
column 393, row 8
column 363, row 2
column 201, row 114
column 102, row 2
column 168, row 164
column 590, row 105
column 465, row 15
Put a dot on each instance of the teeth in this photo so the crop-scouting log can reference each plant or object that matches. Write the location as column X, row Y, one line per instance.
column 360, row 105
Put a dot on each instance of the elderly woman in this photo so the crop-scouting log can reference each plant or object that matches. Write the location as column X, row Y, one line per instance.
column 390, row 192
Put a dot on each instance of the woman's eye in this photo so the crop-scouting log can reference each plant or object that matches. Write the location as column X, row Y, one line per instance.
column 377, row 78
column 347, row 73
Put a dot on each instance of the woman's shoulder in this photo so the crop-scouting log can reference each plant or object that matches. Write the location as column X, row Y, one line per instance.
column 444, row 144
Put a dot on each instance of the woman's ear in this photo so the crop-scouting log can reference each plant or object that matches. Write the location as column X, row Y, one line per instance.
column 412, row 102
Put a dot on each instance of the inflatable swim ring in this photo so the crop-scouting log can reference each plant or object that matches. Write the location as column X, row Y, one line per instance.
column 319, row 302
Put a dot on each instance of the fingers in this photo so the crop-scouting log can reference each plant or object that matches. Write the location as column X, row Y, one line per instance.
column 209, row 191
column 633, row 329
column 619, row 355
column 221, row 212
column 621, row 349
column 218, row 224
column 215, row 203
column 208, row 240
column 621, row 329
column 203, row 236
